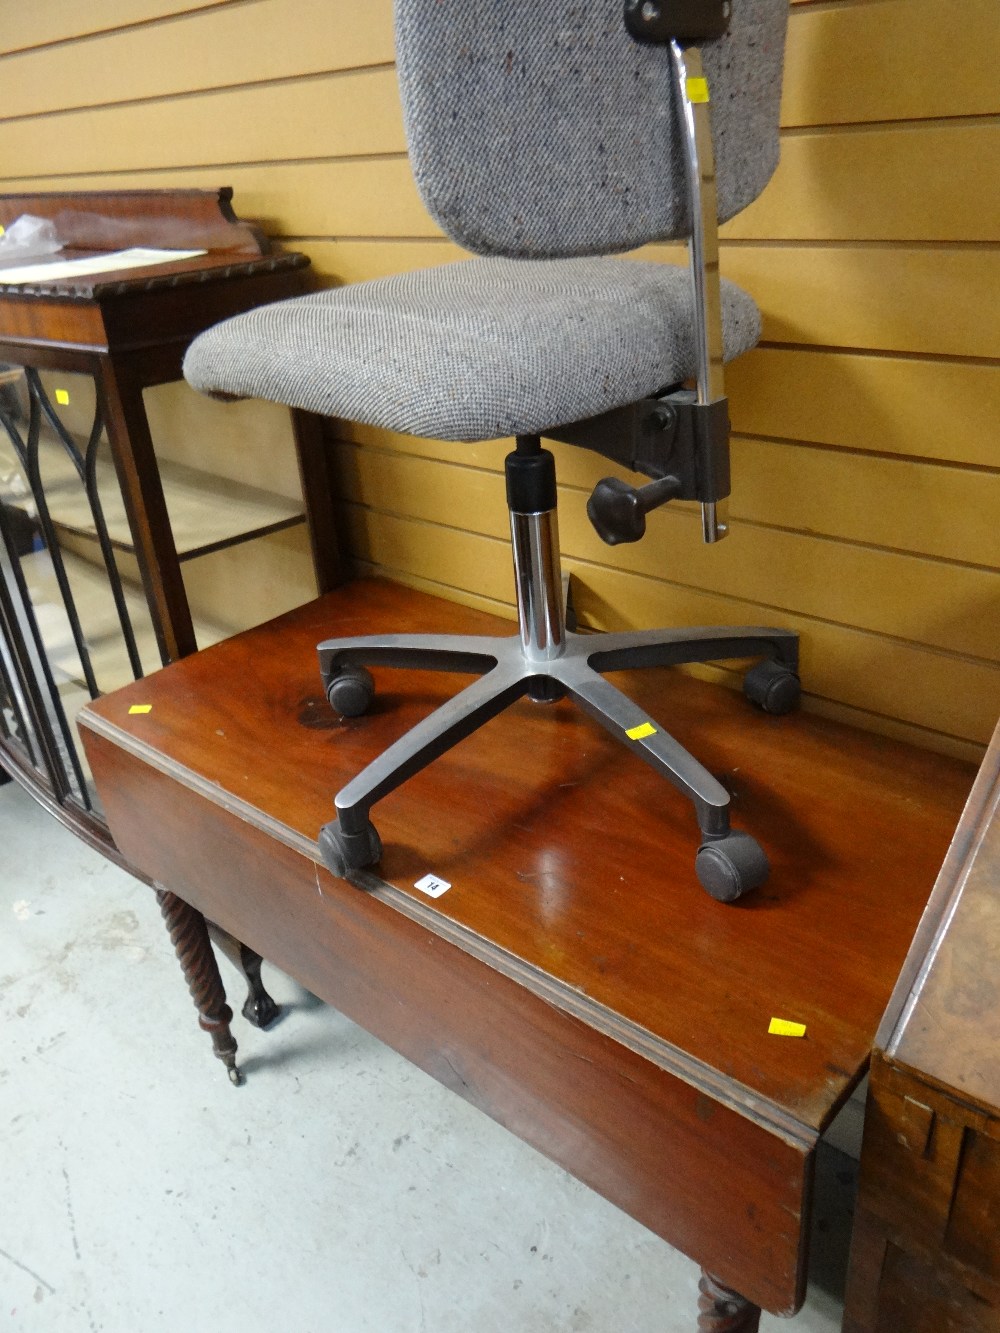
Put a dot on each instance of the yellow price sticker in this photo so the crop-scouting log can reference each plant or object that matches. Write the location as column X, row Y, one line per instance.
column 697, row 90
column 141, row 708
column 640, row 732
column 62, row 397
column 784, row 1027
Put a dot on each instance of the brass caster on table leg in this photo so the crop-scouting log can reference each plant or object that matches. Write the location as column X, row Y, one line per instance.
column 223, row 1041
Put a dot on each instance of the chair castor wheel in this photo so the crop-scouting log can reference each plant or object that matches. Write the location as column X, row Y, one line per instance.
column 351, row 690
column 731, row 866
column 773, row 687
column 342, row 851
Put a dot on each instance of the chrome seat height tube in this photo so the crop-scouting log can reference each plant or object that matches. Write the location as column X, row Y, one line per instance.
column 534, row 528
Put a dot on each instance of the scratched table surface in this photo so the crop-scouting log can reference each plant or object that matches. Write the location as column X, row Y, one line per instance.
column 568, row 852
column 571, row 863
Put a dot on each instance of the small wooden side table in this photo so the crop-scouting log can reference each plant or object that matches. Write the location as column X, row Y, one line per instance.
column 925, row 1254
column 575, row 982
column 127, row 329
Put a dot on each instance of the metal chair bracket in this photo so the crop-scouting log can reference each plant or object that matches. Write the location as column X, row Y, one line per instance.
column 639, row 436
column 681, row 443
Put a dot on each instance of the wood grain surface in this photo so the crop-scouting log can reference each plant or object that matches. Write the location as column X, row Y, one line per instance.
column 925, row 1253
column 567, row 853
column 575, row 982
column 944, row 1022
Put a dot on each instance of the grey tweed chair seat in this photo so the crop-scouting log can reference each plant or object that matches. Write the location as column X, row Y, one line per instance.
column 473, row 350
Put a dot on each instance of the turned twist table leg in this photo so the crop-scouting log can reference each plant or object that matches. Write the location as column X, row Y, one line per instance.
column 721, row 1310
column 189, row 936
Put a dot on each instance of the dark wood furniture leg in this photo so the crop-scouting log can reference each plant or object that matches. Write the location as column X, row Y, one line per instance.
column 259, row 1008
column 121, row 388
column 189, row 936
column 721, row 1310
column 318, row 491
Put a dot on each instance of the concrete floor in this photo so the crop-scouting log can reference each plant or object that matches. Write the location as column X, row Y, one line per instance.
column 339, row 1191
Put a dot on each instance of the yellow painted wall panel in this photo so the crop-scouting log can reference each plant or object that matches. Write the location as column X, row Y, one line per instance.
column 216, row 48
column 907, row 183
column 891, row 60
column 375, row 196
column 953, row 607
column 578, row 469
column 956, row 696
column 895, row 299
column 62, row 20
column 358, row 259
column 931, row 509
column 895, row 405
column 424, row 489
column 844, row 64
column 331, row 115
column 451, row 556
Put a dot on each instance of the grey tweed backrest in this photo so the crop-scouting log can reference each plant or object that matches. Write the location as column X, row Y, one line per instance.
column 540, row 128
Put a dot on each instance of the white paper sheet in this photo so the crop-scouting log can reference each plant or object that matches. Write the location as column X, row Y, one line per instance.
column 138, row 257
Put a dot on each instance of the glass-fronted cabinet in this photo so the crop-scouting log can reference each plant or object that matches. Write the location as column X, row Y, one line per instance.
column 77, row 620
column 95, row 526
column 73, row 625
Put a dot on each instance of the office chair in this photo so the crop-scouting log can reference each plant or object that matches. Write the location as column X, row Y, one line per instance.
column 546, row 136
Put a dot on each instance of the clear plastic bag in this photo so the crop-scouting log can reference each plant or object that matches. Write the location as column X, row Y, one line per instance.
column 28, row 238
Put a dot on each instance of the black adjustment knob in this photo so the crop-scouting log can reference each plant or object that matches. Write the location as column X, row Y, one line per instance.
column 618, row 511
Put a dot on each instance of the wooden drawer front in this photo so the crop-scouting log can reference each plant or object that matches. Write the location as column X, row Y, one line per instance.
column 927, row 1233
column 921, row 1298
column 972, row 1236
column 909, row 1160
column 724, row 1188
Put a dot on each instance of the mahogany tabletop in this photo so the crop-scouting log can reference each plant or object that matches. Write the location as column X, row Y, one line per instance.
column 571, row 863
column 569, row 853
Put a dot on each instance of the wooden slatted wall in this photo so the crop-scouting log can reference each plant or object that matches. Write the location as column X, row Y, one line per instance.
column 866, row 481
